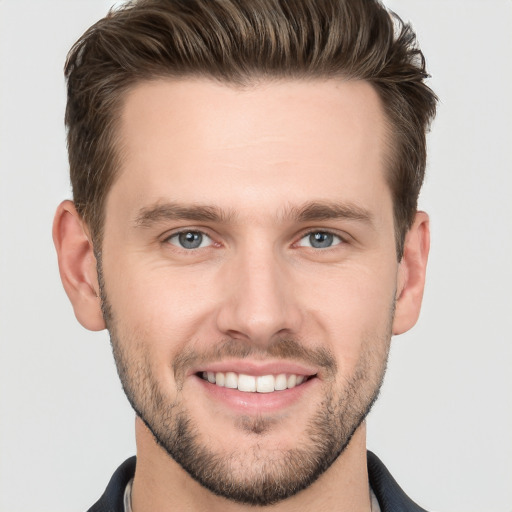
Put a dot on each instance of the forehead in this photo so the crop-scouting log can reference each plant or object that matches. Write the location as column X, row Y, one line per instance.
column 196, row 140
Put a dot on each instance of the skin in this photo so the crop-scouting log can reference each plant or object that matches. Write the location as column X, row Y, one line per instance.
column 259, row 155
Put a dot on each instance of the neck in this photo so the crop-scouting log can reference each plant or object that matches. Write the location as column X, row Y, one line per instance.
column 161, row 484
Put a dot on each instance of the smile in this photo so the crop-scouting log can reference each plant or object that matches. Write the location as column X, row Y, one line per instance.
column 254, row 384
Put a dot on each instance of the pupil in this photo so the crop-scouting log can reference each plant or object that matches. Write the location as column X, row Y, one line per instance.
column 321, row 240
column 190, row 240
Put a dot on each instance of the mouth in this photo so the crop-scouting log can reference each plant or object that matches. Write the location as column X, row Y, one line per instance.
column 255, row 387
column 254, row 383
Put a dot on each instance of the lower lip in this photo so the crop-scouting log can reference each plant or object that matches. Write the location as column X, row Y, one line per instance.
column 254, row 403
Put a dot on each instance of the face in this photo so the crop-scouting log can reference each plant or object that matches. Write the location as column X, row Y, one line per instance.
column 249, row 275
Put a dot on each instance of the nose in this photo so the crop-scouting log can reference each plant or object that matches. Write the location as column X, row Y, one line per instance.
column 260, row 298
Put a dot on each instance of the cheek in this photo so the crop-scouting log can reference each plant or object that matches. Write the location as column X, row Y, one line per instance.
column 164, row 310
column 170, row 309
column 353, row 308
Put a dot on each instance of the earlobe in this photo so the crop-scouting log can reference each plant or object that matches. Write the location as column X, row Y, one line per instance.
column 77, row 266
column 411, row 274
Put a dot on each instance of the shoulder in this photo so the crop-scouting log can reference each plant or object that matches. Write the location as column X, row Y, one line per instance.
column 389, row 494
column 112, row 498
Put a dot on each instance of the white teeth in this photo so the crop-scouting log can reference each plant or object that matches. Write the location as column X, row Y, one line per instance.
column 246, row 383
column 251, row 384
column 265, row 384
column 280, row 382
column 231, row 380
column 220, row 379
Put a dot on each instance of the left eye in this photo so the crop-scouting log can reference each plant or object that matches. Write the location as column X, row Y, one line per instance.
column 320, row 240
column 190, row 240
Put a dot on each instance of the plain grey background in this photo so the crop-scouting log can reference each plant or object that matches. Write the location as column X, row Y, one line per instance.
column 444, row 421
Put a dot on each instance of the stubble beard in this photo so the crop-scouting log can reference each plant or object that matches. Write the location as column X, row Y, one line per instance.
column 254, row 476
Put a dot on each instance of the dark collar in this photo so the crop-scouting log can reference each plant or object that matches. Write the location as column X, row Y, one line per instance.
column 389, row 494
column 112, row 499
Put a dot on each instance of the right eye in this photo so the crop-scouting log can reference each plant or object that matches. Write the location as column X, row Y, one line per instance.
column 320, row 240
column 190, row 240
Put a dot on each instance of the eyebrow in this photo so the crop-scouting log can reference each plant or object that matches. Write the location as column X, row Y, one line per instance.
column 309, row 212
column 327, row 210
column 173, row 211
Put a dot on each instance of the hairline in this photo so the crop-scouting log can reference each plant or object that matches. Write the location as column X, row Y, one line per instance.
column 240, row 83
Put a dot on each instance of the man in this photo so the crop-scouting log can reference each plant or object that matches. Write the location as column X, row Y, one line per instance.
column 245, row 178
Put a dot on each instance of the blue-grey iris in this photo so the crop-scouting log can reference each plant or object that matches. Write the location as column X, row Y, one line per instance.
column 321, row 239
column 190, row 239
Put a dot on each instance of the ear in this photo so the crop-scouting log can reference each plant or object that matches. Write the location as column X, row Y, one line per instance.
column 77, row 266
column 411, row 274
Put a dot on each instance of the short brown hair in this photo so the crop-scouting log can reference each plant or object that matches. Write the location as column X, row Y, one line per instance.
column 237, row 42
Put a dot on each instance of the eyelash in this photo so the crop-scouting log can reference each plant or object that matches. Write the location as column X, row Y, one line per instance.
column 342, row 240
column 185, row 232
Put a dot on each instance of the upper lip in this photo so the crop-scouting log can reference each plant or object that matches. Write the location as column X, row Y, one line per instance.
column 255, row 367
